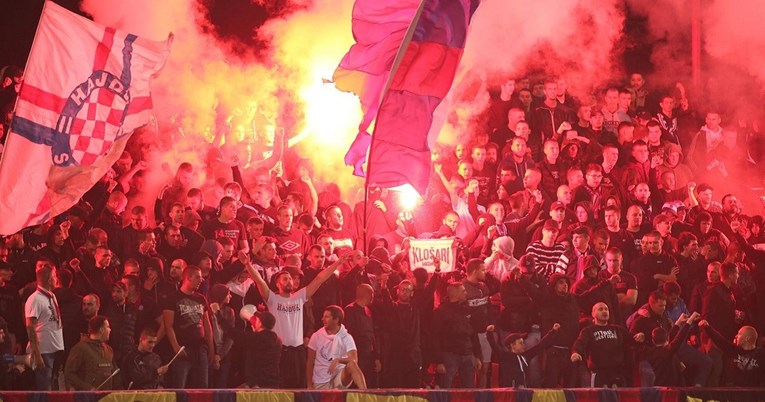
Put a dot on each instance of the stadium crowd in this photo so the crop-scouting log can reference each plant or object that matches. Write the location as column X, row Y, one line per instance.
column 590, row 250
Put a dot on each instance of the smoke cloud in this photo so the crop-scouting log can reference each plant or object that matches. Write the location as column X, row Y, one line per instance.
column 578, row 41
column 208, row 79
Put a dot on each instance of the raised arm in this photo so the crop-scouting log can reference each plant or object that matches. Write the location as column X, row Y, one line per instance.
column 724, row 344
column 324, row 275
column 276, row 155
column 263, row 289
column 447, row 185
column 124, row 180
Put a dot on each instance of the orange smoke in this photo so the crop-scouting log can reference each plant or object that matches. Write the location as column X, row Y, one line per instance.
column 204, row 84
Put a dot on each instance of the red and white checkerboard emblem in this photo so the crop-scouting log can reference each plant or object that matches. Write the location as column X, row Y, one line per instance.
column 92, row 119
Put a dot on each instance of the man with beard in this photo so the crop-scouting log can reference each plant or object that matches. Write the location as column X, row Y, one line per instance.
column 618, row 236
column 731, row 213
column 287, row 306
column 403, row 322
column 187, row 324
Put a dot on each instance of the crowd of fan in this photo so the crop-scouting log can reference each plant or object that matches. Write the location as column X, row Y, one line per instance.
column 586, row 255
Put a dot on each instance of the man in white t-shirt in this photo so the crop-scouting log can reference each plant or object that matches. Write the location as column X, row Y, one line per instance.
column 332, row 356
column 43, row 320
column 287, row 306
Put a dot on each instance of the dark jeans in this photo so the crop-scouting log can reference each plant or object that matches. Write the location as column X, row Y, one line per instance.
column 219, row 377
column 367, row 366
column 700, row 363
column 293, row 367
column 558, row 369
column 190, row 371
column 44, row 375
column 464, row 365
column 402, row 373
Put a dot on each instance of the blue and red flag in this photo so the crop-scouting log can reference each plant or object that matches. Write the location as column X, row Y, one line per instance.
column 85, row 90
column 420, row 78
column 379, row 28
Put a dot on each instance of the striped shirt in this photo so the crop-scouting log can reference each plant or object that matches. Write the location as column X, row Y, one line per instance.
column 546, row 258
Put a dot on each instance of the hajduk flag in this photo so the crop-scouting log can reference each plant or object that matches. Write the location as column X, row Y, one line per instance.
column 420, row 78
column 85, row 90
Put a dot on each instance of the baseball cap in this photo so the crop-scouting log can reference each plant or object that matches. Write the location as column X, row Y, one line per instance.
column 556, row 206
column 514, row 337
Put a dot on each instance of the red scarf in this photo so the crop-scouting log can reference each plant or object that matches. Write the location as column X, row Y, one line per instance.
column 52, row 298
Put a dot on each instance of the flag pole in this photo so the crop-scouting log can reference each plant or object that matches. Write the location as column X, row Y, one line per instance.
column 396, row 63
column 26, row 64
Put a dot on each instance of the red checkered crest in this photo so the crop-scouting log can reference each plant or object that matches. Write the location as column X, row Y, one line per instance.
column 96, row 126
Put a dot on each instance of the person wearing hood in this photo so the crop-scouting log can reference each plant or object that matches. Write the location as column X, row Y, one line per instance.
column 222, row 323
column 514, row 359
column 705, row 142
column 332, row 356
column 674, row 161
column 501, row 261
column 557, row 305
column 597, row 288
column 642, row 168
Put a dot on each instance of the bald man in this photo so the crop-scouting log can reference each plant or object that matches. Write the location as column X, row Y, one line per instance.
column 358, row 320
column 607, row 348
column 745, row 360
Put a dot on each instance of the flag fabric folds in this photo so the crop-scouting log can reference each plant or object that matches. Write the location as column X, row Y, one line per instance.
column 379, row 28
column 418, row 80
column 85, row 90
column 399, row 153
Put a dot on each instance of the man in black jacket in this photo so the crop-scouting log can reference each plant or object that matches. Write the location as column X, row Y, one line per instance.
column 746, row 364
column 402, row 321
column 557, row 305
column 263, row 358
column 720, row 308
column 142, row 367
column 458, row 348
column 358, row 321
column 655, row 317
column 607, row 348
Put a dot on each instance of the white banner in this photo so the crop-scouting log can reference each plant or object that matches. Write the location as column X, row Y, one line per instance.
column 422, row 252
